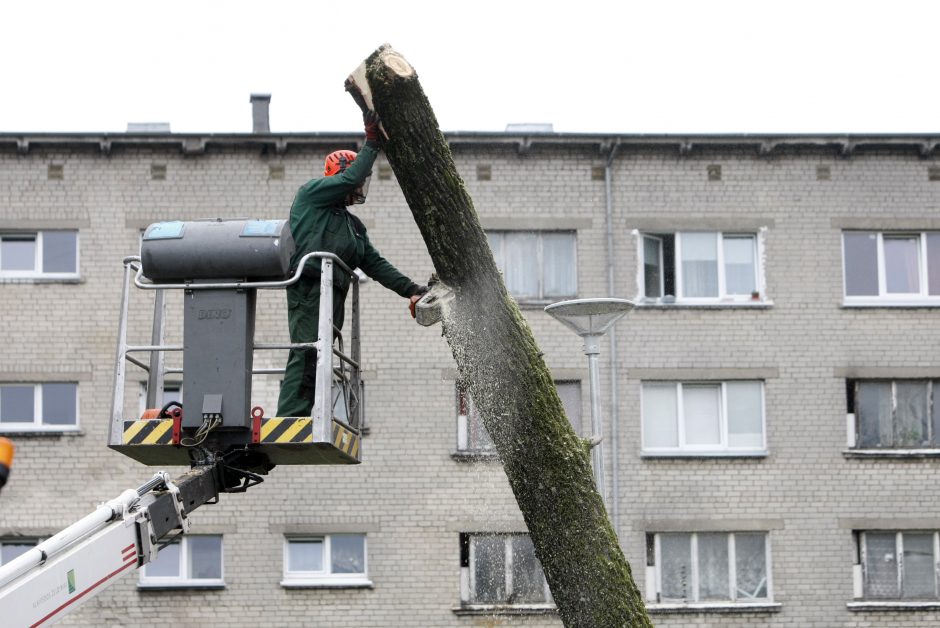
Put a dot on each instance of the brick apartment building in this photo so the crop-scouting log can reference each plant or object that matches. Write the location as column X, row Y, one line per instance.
column 772, row 433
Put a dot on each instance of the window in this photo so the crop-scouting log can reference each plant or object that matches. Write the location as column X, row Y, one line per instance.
column 701, row 418
column 11, row 548
column 700, row 267
column 893, row 268
column 172, row 391
column 501, row 569
column 190, row 562
column 710, row 567
column 337, row 560
column 38, row 407
column 472, row 436
column 898, row 565
column 536, row 265
column 51, row 254
column 895, row 414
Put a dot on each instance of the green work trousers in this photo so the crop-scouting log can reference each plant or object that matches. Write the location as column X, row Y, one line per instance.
column 303, row 319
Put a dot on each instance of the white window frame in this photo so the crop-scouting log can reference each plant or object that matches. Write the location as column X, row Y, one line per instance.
column 36, row 425
column 325, row 577
column 38, row 273
column 861, row 579
column 468, row 576
column 722, row 298
column 885, row 298
column 854, row 426
column 183, row 581
column 654, row 573
column 722, row 449
column 499, row 256
column 463, row 420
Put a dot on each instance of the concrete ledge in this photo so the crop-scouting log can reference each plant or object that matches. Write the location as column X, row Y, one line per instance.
column 893, row 606
column 731, row 607
column 504, row 609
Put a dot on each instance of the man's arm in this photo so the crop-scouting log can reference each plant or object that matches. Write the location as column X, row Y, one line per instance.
column 380, row 269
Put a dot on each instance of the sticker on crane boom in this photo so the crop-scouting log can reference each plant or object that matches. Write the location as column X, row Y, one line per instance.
column 287, row 430
column 149, row 432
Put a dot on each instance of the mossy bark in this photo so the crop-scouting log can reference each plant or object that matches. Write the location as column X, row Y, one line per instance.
column 497, row 357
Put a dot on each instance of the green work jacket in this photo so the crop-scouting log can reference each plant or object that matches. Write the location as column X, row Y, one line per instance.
column 319, row 221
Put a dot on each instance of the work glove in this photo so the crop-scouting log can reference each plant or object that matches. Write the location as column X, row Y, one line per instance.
column 371, row 121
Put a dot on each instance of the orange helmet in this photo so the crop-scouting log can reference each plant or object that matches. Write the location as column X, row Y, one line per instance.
column 337, row 161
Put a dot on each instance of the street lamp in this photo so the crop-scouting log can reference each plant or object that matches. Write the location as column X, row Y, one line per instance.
column 591, row 319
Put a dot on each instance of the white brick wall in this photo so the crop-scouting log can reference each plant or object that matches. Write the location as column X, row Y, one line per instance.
column 409, row 495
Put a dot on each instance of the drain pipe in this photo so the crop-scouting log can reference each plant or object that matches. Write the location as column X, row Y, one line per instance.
column 614, row 399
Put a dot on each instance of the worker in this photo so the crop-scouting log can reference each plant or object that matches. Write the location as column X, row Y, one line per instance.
column 320, row 220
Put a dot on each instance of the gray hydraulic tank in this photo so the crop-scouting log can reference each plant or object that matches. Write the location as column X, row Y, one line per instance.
column 238, row 249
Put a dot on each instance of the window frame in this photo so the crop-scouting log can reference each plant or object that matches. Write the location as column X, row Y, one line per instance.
column 654, row 573
column 37, row 272
column 184, row 580
column 855, row 424
column 37, row 425
column 499, row 257
column 884, row 298
column 325, row 578
column 683, row 449
column 861, row 588
column 464, row 420
column 722, row 298
column 468, row 576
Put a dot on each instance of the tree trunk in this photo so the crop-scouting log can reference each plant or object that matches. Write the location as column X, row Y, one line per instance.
column 548, row 465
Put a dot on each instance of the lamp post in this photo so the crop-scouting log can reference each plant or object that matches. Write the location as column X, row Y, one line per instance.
column 591, row 319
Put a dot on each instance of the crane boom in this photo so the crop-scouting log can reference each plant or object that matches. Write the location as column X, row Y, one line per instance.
column 54, row 578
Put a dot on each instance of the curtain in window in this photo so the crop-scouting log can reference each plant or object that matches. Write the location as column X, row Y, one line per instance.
column 933, row 264
column 305, row 555
column 699, row 264
column 167, row 564
column 59, row 251
column 919, row 578
column 205, row 557
column 660, row 416
column 740, row 275
column 347, row 553
column 700, row 403
column 18, row 253
column 521, row 272
column 901, row 265
column 558, row 263
column 59, row 404
column 861, row 263
column 713, row 567
column 9, row 551
column 910, row 421
column 745, row 422
column 489, row 569
column 528, row 581
column 17, row 404
column 881, row 565
column 873, row 409
column 750, row 561
column 676, row 566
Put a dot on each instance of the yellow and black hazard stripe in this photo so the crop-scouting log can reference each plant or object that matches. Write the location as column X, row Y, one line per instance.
column 287, row 430
column 345, row 440
column 149, row 432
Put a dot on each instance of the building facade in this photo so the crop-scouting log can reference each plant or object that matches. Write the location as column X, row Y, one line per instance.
column 771, row 430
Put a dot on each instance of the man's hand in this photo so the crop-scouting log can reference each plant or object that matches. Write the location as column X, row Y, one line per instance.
column 412, row 302
column 371, row 121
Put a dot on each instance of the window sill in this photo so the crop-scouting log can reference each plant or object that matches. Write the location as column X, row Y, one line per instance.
column 716, row 305
column 475, row 456
column 913, row 305
column 363, row 583
column 40, row 431
column 182, row 586
column 504, row 609
column 891, row 453
column 730, row 607
column 747, row 455
column 891, row 605
column 39, row 279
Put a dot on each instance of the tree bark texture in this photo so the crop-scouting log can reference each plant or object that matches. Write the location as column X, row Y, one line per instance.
column 548, row 465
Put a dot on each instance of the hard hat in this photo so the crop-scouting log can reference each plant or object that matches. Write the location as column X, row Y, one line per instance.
column 337, row 161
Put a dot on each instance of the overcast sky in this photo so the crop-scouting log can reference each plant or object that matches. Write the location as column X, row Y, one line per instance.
column 659, row 66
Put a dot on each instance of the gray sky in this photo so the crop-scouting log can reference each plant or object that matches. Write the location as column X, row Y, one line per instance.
column 658, row 66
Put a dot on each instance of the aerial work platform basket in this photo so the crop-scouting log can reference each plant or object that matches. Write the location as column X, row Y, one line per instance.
column 219, row 266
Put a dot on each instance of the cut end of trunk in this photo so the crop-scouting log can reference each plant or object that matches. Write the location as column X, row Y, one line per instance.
column 396, row 63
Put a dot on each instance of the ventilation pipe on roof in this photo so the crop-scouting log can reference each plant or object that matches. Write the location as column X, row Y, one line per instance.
column 260, row 120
